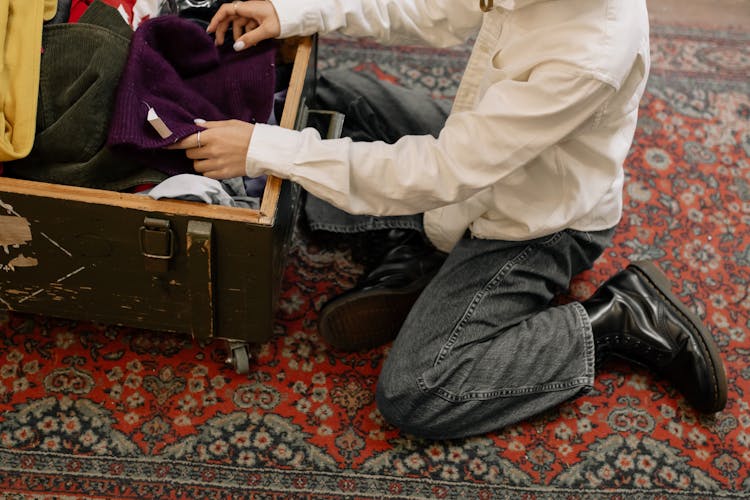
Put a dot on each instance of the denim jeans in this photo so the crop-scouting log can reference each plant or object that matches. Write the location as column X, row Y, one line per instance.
column 484, row 345
column 374, row 111
column 322, row 216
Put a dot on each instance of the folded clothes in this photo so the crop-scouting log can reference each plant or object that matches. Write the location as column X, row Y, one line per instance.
column 80, row 67
column 192, row 187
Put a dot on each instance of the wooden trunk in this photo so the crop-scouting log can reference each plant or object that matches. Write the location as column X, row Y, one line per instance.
column 126, row 259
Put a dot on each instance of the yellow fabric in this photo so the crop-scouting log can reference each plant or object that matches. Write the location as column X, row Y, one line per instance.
column 20, row 60
column 50, row 9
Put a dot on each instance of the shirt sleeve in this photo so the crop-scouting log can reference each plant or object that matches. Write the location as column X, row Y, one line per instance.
column 514, row 122
column 438, row 23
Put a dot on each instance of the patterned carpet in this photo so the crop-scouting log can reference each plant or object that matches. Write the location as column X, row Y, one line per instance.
column 93, row 411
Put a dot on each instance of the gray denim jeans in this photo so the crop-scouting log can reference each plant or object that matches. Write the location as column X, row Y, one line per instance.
column 374, row 110
column 484, row 345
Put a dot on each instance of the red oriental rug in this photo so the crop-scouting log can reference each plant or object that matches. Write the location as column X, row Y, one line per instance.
column 92, row 411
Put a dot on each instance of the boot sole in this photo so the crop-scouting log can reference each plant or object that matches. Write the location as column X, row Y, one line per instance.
column 363, row 320
column 656, row 277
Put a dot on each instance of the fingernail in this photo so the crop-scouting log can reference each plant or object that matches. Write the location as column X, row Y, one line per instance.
column 239, row 45
column 199, row 121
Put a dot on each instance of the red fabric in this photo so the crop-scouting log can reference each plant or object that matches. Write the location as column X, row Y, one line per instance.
column 78, row 7
column 143, row 187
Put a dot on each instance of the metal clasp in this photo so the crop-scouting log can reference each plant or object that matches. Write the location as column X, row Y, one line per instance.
column 156, row 240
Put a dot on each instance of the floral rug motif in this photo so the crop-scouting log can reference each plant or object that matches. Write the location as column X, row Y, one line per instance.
column 88, row 410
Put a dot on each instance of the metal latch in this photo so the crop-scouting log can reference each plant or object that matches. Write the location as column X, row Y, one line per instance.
column 331, row 130
column 157, row 244
column 200, row 255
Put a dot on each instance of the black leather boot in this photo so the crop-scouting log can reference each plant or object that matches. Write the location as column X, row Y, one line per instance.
column 635, row 316
column 372, row 313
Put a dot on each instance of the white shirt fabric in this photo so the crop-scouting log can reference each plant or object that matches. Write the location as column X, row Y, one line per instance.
column 541, row 124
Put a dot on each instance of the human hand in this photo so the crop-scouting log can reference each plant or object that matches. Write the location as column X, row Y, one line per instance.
column 218, row 151
column 257, row 19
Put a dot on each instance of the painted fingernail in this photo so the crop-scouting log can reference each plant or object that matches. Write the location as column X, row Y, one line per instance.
column 199, row 121
column 238, row 45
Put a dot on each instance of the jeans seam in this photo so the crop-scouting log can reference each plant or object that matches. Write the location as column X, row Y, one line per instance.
column 478, row 297
column 588, row 342
column 365, row 226
column 510, row 392
column 583, row 321
column 586, row 380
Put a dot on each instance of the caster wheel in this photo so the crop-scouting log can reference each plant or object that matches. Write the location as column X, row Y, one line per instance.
column 240, row 359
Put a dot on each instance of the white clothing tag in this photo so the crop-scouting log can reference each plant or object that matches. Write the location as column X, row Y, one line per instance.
column 158, row 124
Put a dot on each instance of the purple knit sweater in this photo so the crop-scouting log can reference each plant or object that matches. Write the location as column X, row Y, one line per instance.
column 174, row 67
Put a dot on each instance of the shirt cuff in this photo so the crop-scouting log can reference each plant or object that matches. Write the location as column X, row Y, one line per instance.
column 296, row 17
column 271, row 151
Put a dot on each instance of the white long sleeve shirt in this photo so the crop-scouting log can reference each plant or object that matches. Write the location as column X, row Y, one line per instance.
column 540, row 127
